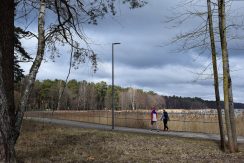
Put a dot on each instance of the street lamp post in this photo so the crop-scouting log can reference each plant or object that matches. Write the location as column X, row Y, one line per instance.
column 116, row 43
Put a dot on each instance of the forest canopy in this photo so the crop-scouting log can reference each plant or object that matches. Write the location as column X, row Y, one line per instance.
column 84, row 95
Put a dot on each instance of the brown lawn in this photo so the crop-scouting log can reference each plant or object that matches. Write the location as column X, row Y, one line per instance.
column 44, row 143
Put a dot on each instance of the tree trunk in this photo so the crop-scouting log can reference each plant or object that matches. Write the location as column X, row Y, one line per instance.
column 216, row 78
column 7, row 152
column 232, row 115
column 84, row 97
column 60, row 92
column 7, row 107
column 34, row 69
column 133, row 99
column 79, row 97
column 66, row 80
column 227, row 85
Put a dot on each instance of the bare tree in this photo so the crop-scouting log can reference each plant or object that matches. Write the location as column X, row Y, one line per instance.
column 82, row 95
column 60, row 93
column 34, row 68
column 69, row 16
column 132, row 94
column 123, row 99
column 227, row 86
column 216, row 78
column 191, row 40
column 62, row 88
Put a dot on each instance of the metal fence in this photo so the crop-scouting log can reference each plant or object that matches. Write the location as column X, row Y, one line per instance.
column 192, row 121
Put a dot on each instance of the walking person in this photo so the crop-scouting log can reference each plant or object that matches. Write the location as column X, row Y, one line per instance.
column 154, row 115
column 165, row 118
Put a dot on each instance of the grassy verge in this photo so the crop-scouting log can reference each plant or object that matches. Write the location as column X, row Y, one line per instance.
column 49, row 143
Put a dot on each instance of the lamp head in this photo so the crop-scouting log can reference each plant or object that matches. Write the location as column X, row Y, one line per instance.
column 116, row 43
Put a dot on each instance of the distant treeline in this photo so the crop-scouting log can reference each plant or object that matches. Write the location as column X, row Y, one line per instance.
column 176, row 102
column 211, row 104
column 83, row 95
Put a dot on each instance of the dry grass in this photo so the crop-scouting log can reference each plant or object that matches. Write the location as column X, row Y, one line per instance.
column 206, row 123
column 43, row 143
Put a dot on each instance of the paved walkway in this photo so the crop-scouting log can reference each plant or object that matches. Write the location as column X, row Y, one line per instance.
column 126, row 129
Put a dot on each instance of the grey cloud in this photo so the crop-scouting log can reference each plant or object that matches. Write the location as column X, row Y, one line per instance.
column 143, row 60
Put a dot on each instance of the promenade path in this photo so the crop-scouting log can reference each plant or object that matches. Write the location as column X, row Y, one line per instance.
column 77, row 124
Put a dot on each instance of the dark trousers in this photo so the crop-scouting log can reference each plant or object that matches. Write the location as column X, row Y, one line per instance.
column 165, row 124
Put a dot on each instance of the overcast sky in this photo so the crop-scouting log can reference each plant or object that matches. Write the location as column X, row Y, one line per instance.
column 146, row 59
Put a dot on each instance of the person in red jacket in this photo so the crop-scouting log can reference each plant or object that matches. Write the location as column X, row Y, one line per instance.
column 154, row 115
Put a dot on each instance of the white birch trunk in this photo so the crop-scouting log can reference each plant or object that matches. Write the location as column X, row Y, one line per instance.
column 34, row 68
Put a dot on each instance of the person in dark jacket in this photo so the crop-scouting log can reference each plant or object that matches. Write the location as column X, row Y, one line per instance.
column 165, row 118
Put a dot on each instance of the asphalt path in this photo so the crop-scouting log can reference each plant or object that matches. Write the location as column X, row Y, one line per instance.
column 77, row 124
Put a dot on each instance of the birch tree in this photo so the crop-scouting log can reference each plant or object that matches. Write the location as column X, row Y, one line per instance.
column 34, row 68
column 132, row 94
column 69, row 17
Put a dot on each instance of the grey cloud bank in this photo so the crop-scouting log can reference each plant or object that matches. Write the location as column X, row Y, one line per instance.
column 142, row 60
